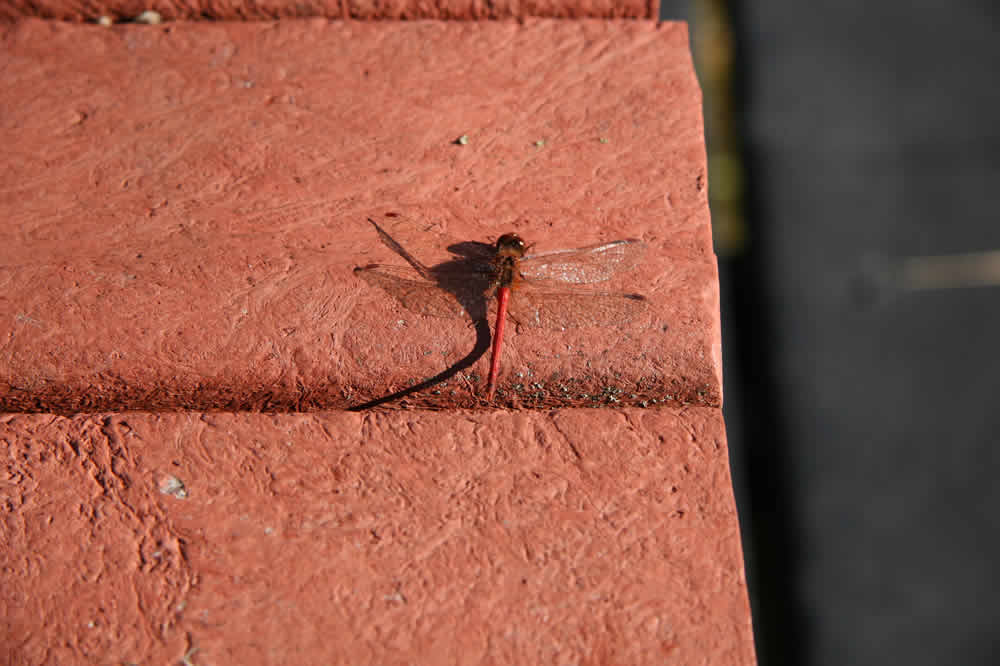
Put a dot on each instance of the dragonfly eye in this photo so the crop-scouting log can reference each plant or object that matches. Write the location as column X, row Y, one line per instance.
column 511, row 244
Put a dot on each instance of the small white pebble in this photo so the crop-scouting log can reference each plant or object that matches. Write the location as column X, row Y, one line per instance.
column 105, row 21
column 171, row 485
column 149, row 16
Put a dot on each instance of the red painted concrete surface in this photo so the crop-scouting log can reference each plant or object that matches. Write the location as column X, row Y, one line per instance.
column 185, row 206
column 239, row 10
column 407, row 537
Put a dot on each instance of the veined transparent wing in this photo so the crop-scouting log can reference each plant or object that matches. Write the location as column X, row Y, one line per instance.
column 422, row 296
column 578, row 308
column 594, row 263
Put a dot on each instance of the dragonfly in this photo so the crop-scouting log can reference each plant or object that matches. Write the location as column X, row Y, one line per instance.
column 534, row 289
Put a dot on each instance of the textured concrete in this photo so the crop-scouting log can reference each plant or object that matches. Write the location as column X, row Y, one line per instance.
column 238, row 10
column 185, row 206
column 384, row 538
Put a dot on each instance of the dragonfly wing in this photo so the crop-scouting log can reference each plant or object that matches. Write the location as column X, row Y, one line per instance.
column 393, row 245
column 560, row 309
column 420, row 296
column 594, row 263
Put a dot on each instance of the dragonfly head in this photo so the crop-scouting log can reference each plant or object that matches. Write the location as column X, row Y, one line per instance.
column 511, row 245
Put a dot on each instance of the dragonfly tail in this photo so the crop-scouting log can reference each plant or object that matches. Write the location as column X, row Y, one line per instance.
column 503, row 296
